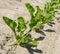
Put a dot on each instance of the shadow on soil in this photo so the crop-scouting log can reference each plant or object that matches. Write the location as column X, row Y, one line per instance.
column 31, row 50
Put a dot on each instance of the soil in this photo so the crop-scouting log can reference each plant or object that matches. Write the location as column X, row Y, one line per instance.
column 49, row 39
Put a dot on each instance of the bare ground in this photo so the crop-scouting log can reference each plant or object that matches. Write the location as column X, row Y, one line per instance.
column 49, row 44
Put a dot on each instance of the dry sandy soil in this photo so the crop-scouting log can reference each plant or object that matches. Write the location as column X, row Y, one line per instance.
column 49, row 44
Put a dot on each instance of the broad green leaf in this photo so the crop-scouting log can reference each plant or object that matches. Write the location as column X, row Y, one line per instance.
column 39, row 14
column 51, row 6
column 47, row 7
column 55, row 1
column 50, row 19
column 39, row 23
column 55, row 4
column 53, row 12
column 32, row 24
column 27, row 39
column 34, row 42
column 37, row 19
column 30, row 9
column 21, row 24
column 12, row 24
column 35, row 25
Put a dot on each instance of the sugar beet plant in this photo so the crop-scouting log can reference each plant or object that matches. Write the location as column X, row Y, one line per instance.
column 37, row 21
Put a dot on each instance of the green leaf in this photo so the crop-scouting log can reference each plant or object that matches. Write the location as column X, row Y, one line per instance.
column 39, row 14
column 50, row 10
column 55, row 1
column 21, row 24
column 55, row 4
column 37, row 19
column 32, row 24
column 27, row 39
column 18, row 38
column 58, row 7
column 35, row 25
column 12, row 24
column 31, row 9
column 50, row 19
column 39, row 23
column 47, row 7
column 34, row 42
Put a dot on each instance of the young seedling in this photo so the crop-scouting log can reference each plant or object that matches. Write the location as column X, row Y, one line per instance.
column 42, row 17
column 21, row 38
column 37, row 21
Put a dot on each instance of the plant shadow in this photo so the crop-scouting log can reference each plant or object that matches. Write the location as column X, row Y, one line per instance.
column 49, row 30
column 58, row 19
column 40, row 38
column 51, row 24
column 40, row 31
column 31, row 50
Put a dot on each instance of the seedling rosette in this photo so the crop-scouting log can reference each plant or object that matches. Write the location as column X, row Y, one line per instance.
column 37, row 21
